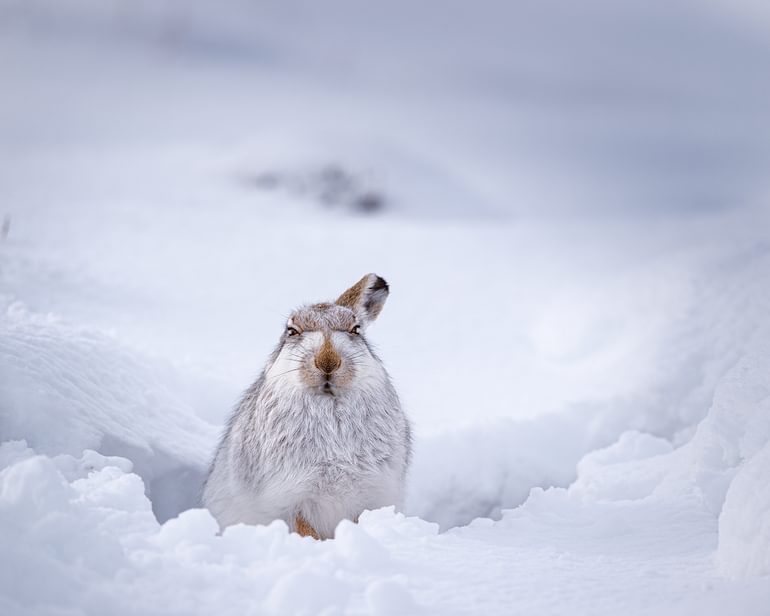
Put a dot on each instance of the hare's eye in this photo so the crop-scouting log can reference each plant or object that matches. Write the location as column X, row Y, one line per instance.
column 291, row 331
column 356, row 330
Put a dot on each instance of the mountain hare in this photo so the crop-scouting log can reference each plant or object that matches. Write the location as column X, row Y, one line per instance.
column 320, row 436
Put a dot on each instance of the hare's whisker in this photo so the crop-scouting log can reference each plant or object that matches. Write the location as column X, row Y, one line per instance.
column 287, row 372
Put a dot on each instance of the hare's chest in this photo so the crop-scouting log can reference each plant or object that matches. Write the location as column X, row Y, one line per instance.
column 342, row 446
column 334, row 446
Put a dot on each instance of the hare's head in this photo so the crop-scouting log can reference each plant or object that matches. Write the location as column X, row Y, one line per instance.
column 323, row 349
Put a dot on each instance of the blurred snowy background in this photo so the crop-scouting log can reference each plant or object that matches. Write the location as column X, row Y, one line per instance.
column 571, row 204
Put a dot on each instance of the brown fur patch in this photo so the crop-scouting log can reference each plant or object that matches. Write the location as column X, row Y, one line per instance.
column 327, row 359
column 303, row 528
column 352, row 297
column 366, row 297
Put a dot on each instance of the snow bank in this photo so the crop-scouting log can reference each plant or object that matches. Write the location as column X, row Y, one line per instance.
column 83, row 538
column 478, row 472
column 652, row 498
column 721, row 473
column 657, row 521
column 737, row 435
column 638, row 527
column 744, row 524
column 66, row 389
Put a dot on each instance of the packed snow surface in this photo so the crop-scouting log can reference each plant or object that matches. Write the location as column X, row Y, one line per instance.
column 583, row 347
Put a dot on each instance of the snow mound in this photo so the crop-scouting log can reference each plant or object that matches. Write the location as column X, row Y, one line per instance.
column 656, row 499
column 641, row 525
column 744, row 524
column 722, row 471
column 99, row 395
column 476, row 473
column 737, row 434
column 86, row 526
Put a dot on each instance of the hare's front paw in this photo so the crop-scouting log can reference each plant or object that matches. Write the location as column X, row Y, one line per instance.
column 304, row 529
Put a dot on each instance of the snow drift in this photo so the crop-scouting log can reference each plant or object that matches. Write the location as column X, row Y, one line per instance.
column 84, row 527
column 686, row 511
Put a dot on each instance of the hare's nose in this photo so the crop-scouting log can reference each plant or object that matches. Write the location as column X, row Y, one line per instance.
column 327, row 360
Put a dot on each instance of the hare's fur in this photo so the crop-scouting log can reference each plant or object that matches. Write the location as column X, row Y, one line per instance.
column 308, row 443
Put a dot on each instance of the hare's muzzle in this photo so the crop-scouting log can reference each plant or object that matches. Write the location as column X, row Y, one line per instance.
column 327, row 360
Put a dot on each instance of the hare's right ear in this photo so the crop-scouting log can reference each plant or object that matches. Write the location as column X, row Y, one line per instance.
column 366, row 298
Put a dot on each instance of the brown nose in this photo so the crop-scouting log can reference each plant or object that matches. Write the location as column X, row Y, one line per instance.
column 327, row 360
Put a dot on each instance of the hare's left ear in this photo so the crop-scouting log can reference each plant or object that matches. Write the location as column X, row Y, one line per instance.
column 366, row 298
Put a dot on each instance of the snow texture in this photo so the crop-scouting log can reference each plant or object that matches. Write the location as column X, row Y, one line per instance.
column 577, row 326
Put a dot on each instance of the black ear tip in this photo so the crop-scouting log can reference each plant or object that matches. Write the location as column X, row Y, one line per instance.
column 379, row 284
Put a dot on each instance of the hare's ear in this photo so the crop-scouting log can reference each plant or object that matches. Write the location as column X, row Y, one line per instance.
column 366, row 297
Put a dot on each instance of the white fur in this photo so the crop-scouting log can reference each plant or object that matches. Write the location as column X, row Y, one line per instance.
column 282, row 374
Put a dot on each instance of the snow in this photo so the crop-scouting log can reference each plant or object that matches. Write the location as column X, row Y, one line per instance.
column 98, row 394
column 577, row 322
column 744, row 539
